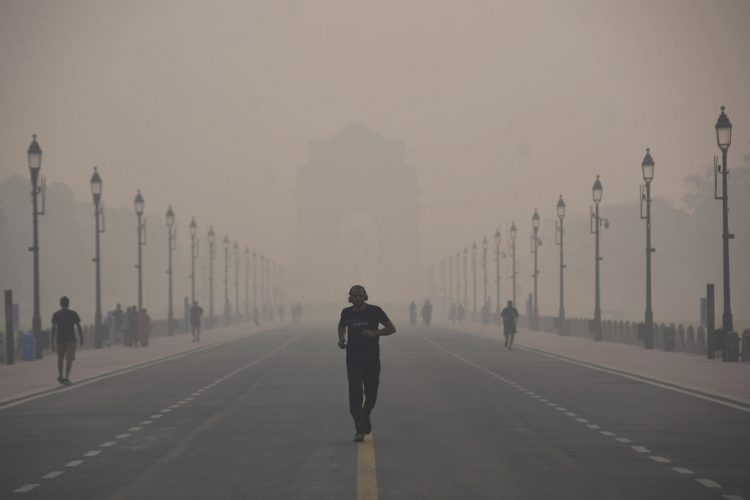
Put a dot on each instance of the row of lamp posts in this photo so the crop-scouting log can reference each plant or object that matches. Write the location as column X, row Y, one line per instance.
column 38, row 189
column 723, row 130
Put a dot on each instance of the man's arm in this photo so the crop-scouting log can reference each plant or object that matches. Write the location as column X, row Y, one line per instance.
column 80, row 332
column 342, row 336
column 53, row 334
column 388, row 330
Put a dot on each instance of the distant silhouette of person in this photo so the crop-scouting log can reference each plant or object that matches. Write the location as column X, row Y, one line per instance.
column 119, row 315
column 196, row 312
column 426, row 312
column 509, row 315
column 453, row 312
column 412, row 313
column 143, row 327
column 460, row 312
column 359, row 334
column 63, row 339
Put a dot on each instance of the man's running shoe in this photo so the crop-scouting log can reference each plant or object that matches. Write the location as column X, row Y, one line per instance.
column 61, row 380
column 359, row 437
column 66, row 381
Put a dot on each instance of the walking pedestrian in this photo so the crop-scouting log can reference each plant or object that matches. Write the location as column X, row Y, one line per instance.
column 359, row 334
column 143, row 327
column 196, row 312
column 63, row 339
column 509, row 315
column 426, row 312
column 119, row 317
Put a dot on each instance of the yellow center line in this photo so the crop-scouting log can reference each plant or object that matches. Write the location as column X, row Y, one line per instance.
column 367, row 484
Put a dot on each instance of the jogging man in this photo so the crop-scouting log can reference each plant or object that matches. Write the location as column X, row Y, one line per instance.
column 509, row 315
column 63, row 338
column 359, row 322
column 196, row 312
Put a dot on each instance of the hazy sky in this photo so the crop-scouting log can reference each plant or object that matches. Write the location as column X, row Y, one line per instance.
column 502, row 105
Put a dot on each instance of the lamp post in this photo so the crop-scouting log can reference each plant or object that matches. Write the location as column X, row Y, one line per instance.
column 559, row 232
column 513, row 234
column 226, row 280
column 256, row 320
column 247, row 284
column 458, row 279
column 211, row 258
column 96, row 193
column 535, row 249
column 171, row 233
column 647, row 168
column 466, row 279
column 484, row 279
column 236, row 249
column 474, row 275
column 497, row 271
column 141, row 229
column 597, row 221
column 724, row 140
column 450, row 280
column 34, row 157
column 193, row 232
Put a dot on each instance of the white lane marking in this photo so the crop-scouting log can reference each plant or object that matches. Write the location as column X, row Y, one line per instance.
column 571, row 414
column 121, row 436
column 552, row 404
column 543, row 400
column 624, row 440
column 135, row 429
column 607, row 433
column 196, row 393
column 156, row 416
column 582, row 420
column 709, row 483
column 593, row 426
column 52, row 475
column 83, row 383
column 734, row 497
column 146, row 422
column 74, row 463
column 189, row 398
column 92, row 453
column 26, row 487
column 645, row 380
column 659, row 459
column 560, row 408
column 108, row 444
column 641, row 449
column 166, row 410
column 682, row 470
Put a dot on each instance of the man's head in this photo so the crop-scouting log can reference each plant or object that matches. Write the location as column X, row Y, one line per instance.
column 510, row 303
column 357, row 295
column 64, row 302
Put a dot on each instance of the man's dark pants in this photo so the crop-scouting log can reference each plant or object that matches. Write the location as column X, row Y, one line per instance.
column 363, row 373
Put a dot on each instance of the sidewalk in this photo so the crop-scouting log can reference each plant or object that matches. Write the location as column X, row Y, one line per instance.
column 25, row 378
column 694, row 373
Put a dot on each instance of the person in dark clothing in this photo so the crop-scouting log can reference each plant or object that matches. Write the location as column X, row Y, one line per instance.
column 63, row 338
column 359, row 335
column 196, row 312
column 426, row 312
column 509, row 315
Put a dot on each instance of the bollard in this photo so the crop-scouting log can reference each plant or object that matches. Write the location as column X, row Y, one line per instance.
column 700, row 341
column 690, row 341
column 28, row 346
column 745, row 353
column 731, row 347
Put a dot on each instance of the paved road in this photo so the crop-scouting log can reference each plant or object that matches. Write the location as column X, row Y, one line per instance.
column 458, row 417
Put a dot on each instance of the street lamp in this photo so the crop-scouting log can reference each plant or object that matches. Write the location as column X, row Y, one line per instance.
column 458, row 279
column 466, row 279
column 474, row 274
column 535, row 250
column 484, row 274
column 171, row 240
column 596, row 221
column 193, row 231
column 96, row 193
column 247, row 284
column 141, row 230
column 450, row 280
column 256, row 319
column 34, row 157
column 559, row 232
column 226, row 280
column 647, row 167
column 211, row 258
column 236, row 249
column 724, row 140
column 497, row 271
column 513, row 234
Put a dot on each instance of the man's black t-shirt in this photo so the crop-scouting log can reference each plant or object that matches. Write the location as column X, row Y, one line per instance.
column 355, row 322
column 65, row 321
column 195, row 314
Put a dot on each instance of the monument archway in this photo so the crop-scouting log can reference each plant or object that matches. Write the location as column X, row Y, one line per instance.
column 356, row 219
